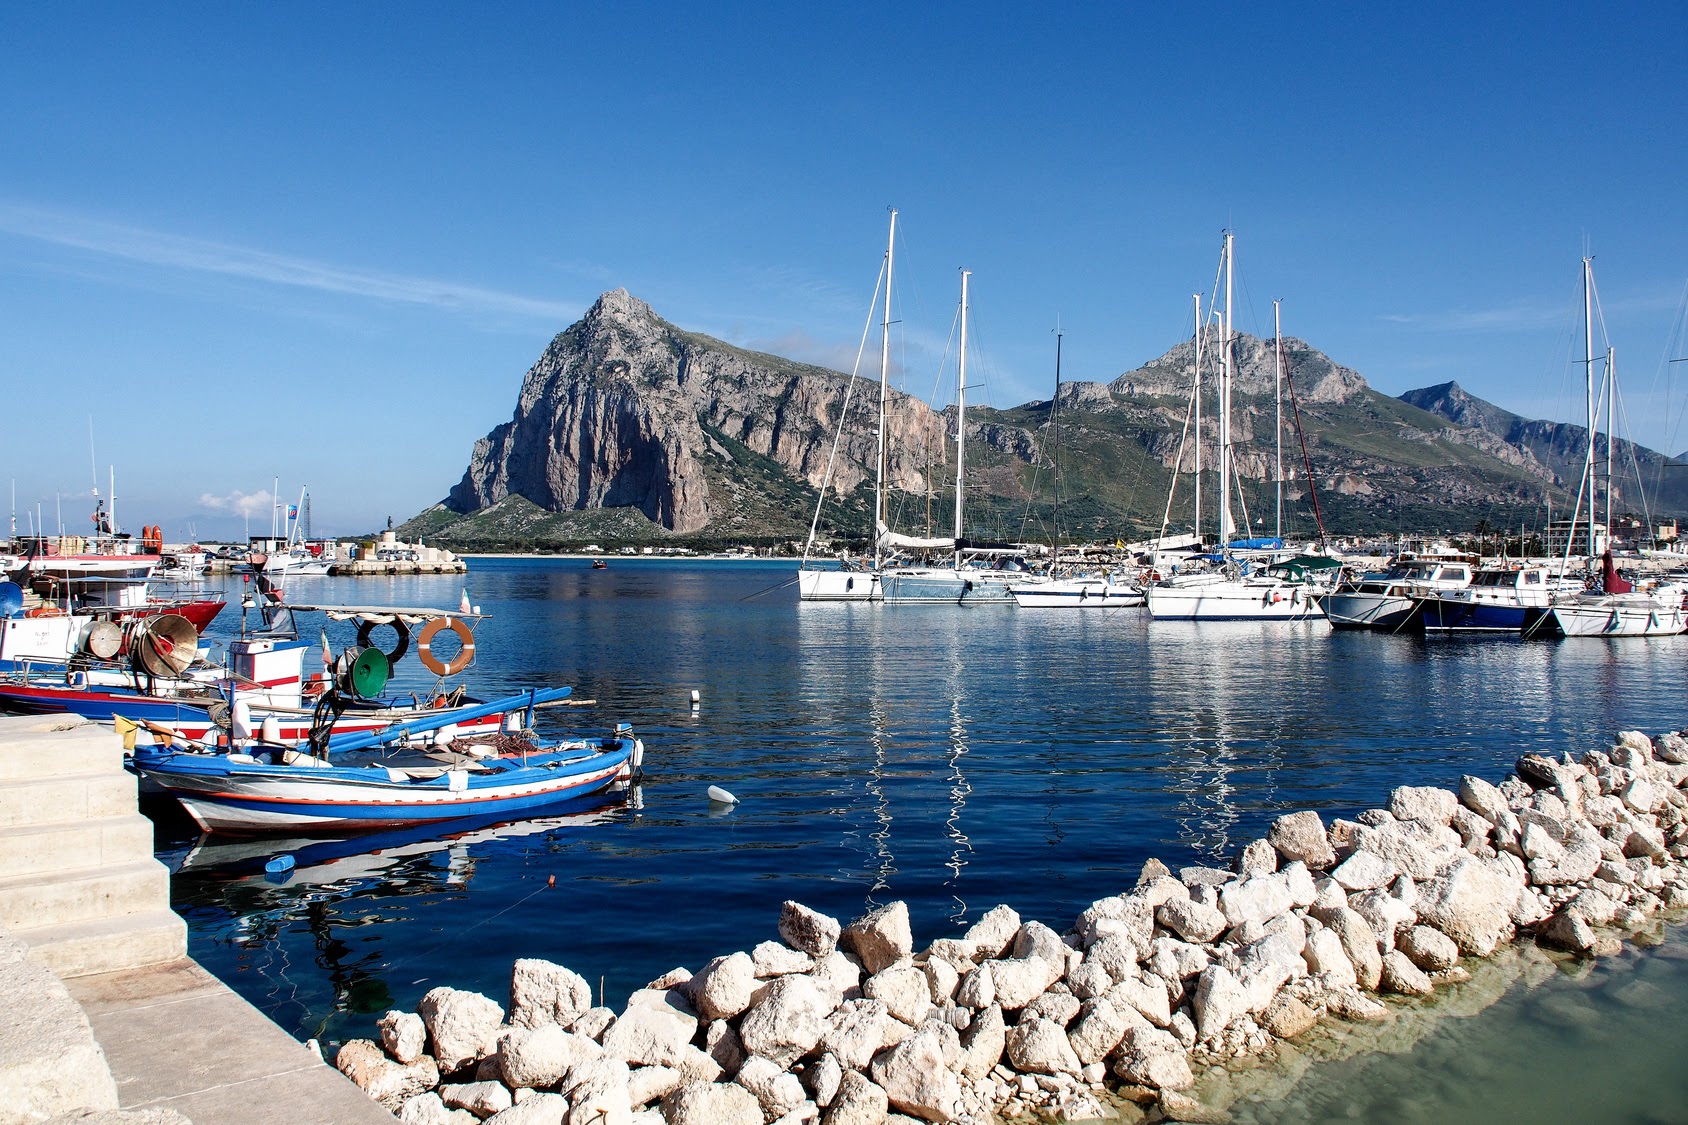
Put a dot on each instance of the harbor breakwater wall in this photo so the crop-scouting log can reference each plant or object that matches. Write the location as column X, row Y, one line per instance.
column 1117, row 1016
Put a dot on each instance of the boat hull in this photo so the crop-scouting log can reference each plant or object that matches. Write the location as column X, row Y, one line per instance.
column 1436, row 615
column 1232, row 601
column 236, row 797
column 1368, row 611
column 1094, row 593
column 838, row 586
column 1615, row 620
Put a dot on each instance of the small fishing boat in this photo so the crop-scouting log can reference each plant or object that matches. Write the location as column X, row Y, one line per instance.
column 389, row 778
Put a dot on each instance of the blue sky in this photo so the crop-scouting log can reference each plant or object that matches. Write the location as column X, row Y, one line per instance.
column 324, row 242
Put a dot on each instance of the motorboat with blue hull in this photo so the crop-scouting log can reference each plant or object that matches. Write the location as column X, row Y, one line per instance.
column 387, row 778
column 1499, row 600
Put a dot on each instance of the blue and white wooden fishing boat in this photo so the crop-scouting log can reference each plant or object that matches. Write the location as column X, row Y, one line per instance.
column 389, row 778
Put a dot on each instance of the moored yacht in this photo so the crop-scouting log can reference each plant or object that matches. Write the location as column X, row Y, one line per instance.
column 1387, row 600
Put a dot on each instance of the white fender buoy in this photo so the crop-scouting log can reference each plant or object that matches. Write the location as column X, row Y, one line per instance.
column 721, row 796
column 695, row 699
column 240, row 720
column 271, row 729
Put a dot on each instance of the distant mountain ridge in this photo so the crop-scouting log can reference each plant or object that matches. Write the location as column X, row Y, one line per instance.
column 1560, row 450
column 629, row 428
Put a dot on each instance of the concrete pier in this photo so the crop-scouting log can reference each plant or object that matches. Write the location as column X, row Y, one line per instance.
column 104, row 1009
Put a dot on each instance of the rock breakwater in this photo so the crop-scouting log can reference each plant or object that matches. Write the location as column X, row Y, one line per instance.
column 847, row 1024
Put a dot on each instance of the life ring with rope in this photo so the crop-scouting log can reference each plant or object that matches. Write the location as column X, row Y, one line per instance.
column 366, row 630
column 44, row 611
column 425, row 642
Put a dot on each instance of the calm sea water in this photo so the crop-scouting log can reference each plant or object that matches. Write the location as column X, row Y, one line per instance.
column 952, row 757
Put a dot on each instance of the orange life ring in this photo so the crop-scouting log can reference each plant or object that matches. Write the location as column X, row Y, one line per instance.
column 45, row 611
column 425, row 644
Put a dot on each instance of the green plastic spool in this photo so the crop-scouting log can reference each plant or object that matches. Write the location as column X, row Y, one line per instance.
column 369, row 673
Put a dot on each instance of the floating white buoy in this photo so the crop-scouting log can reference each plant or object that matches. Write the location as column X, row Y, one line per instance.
column 721, row 796
column 695, row 698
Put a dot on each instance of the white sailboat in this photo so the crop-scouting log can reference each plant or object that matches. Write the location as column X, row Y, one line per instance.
column 886, row 579
column 1231, row 593
column 1619, row 609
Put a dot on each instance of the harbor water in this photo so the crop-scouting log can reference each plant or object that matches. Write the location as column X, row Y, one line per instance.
column 952, row 757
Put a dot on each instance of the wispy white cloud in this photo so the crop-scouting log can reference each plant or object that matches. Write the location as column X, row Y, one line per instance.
column 239, row 503
column 1517, row 317
column 201, row 256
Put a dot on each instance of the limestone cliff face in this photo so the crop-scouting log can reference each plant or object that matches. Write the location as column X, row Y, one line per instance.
column 624, row 409
column 1317, row 378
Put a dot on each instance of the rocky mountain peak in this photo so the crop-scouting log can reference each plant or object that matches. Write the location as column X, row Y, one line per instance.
column 618, row 306
column 1317, row 377
column 1451, row 401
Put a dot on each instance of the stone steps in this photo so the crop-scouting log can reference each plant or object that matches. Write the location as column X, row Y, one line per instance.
column 78, row 881
column 81, row 896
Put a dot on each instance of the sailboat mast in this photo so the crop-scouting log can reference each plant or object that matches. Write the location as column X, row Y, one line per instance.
column 1055, row 434
column 961, row 416
column 1278, row 398
column 884, row 388
column 1225, row 376
column 1201, row 338
column 1588, row 376
column 1611, row 403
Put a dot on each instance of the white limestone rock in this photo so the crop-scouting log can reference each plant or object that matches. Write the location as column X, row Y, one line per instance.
column 1037, row 940
column 775, row 959
column 1386, row 914
column 385, row 1081
column 543, row 992
column 722, row 1044
column 1403, row 977
column 903, row 989
column 807, row 930
column 1359, row 943
column 1153, row 1058
column 647, row 1084
column 1116, row 954
column 839, row 972
column 1258, row 899
column 534, row 1109
column 917, row 1080
column 1146, row 996
column 593, row 1022
column 859, row 1101
column 787, row 1021
column 483, row 1099
column 1191, row 920
column 1429, row 949
column 1471, row 902
column 858, row 1030
column 775, row 1090
column 1097, row 1031
column 723, row 988
column 1017, row 982
column 823, row 1077
column 1258, row 857
column 992, row 934
column 1326, row 958
column 942, row 979
column 1040, row 1046
column 1301, row 836
column 534, row 1057
column 598, row 1091
column 983, row 1043
column 1220, row 998
column 403, row 1035
column 1423, row 803
column 978, row 988
column 461, row 1025
column 1364, row 871
column 655, row 1028
column 712, row 1103
column 880, row 938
